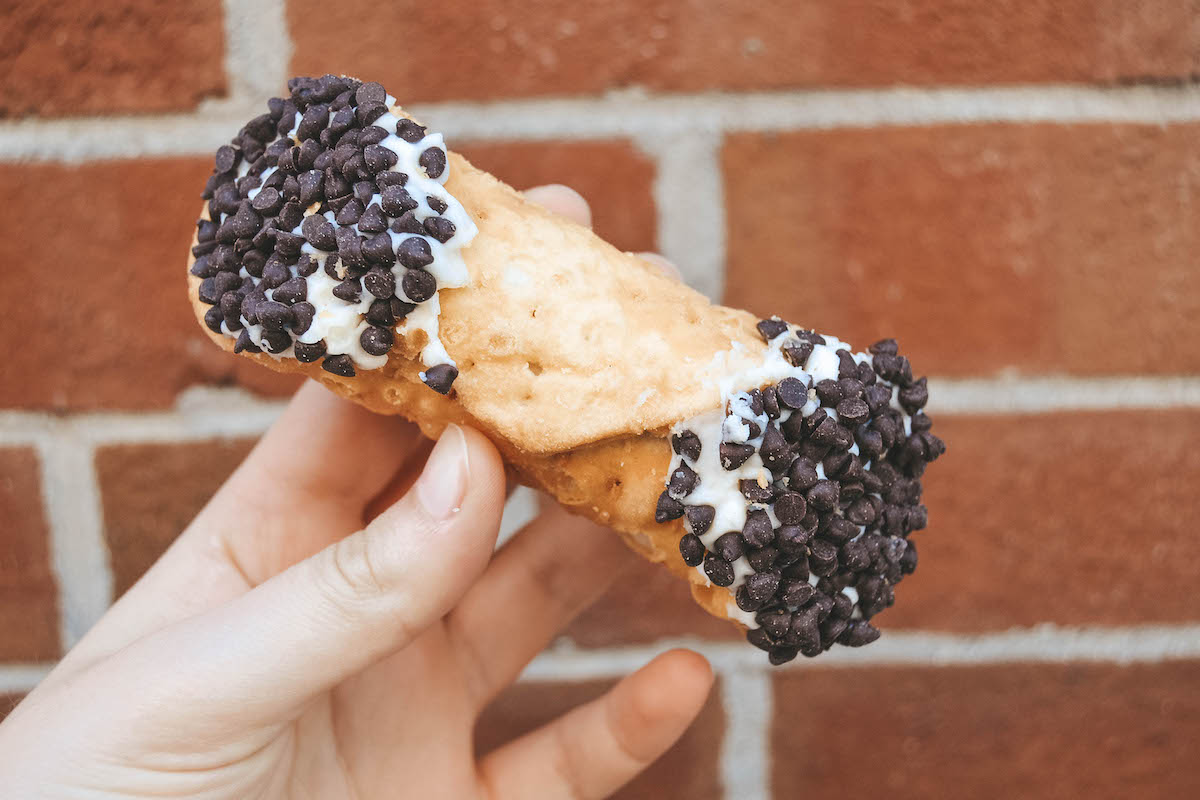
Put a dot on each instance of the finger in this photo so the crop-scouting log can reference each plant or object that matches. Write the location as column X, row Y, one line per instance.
column 662, row 262
column 266, row 653
column 596, row 748
column 549, row 572
column 303, row 486
column 562, row 200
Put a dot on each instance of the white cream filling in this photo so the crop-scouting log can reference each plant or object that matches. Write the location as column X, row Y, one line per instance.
column 719, row 487
column 341, row 323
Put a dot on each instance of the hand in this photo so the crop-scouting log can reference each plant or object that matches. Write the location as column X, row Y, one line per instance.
column 306, row 636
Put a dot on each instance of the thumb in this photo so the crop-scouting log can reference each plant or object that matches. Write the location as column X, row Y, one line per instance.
column 327, row 618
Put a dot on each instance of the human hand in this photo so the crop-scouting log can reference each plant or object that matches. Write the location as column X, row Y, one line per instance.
column 281, row 649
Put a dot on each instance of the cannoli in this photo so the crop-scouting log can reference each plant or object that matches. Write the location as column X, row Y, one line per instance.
column 773, row 468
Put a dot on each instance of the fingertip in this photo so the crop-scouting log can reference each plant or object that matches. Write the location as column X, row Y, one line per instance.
column 562, row 200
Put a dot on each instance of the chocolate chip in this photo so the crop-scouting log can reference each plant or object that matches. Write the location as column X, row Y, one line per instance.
column 775, row 452
column 668, row 508
column 380, row 282
column 854, row 556
column 274, row 316
column 768, row 329
column 915, row 396
column 401, row 309
column 795, row 593
column 719, row 571
column 205, row 267
column 682, row 481
column 407, row 223
column 831, row 629
column 291, row 291
column 754, row 491
column 372, row 134
column 729, row 546
column 847, row 366
column 440, row 228
column 339, row 365
column 792, row 393
column 310, row 186
column 395, row 200
column 762, row 558
column 733, row 455
column 797, row 352
column 290, row 216
column 440, row 378
column 418, row 285
column 378, row 249
column 762, row 586
column 414, row 252
column 757, row 531
column 227, row 158
column 861, row 512
column 828, row 392
column 686, row 444
column 409, row 131
column 276, row 341
column 208, row 291
column 349, row 248
column 908, row 561
column 350, row 213
column 302, row 314
column 274, row 274
column 859, row 633
column 319, row 233
column 886, row 346
column 349, row 290
column 838, row 530
column 792, row 536
column 368, row 112
column 213, row 319
column 245, row 344
column 700, row 518
column 386, row 179
column 790, row 508
column 377, row 341
column 823, row 496
column 433, row 161
column 370, row 93
column 438, row 205
column 692, row 550
column 378, row 157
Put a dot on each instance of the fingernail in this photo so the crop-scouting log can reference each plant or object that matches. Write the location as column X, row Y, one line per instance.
column 443, row 481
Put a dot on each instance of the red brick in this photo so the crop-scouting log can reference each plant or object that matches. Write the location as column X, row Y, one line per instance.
column 151, row 492
column 647, row 603
column 1029, row 731
column 72, row 58
column 982, row 247
column 28, row 591
column 1085, row 518
column 689, row 769
column 106, row 322
column 556, row 47
column 616, row 179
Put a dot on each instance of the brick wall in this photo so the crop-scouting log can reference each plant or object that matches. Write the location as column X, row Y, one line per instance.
column 1012, row 188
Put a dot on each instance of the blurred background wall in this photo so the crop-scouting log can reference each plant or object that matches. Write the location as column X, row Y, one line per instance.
column 1011, row 187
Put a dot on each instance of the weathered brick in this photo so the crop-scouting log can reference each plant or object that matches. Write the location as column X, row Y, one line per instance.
column 616, row 179
column 73, row 58
column 689, row 769
column 982, row 248
column 1029, row 731
column 105, row 321
column 151, row 492
column 1081, row 518
column 28, row 590
column 645, row 604
column 559, row 47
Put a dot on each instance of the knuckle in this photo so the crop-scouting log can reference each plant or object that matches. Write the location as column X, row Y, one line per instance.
column 347, row 574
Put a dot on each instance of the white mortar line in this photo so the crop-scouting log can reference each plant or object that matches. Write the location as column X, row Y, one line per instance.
column 1040, row 644
column 22, row 677
column 689, row 198
column 79, row 554
column 219, row 413
column 748, row 699
column 619, row 114
column 258, row 50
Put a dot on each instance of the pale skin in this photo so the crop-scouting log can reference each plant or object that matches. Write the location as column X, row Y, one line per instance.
column 332, row 624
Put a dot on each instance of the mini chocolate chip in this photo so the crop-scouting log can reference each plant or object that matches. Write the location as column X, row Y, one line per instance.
column 440, row 377
column 276, row 341
column 682, row 481
column 744, row 601
column 291, row 291
column 396, row 200
column 440, row 228
column 319, row 233
column 401, row 309
column 433, row 161
column 838, row 530
column 733, row 455
column 418, row 285
column 205, row 267
column 312, row 122
column 274, row 316
column 795, row 593
column 792, row 536
column 757, row 531
column 438, row 205
column 831, row 629
column 414, row 252
column 854, row 556
column 762, row 558
column 770, row 399
column 349, row 248
column 370, row 93
column 870, row 443
column 921, row 422
column 804, row 631
column 668, row 508
column 410, row 131
column 847, row 366
column 385, row 179
column 213, row 319
column 775, row 452
column 349, row 290
column 339, row 365
column 699, row 518
column 759, row 638
column 377, row 341
column 372, row 134
column 915, row 396
column 267, row 201
column 380, row 313
column 768, row 329
column 274, row 274
column 378, row 250
column 245, row 344
column 859, row 633
column 302, row 314
column 686, row 444
column 754, row 491
column 719, row 571
column 823, row 496
column 729, row 546
column 310, row 186
column 307, row 158
column 350, row 213
column 692, row 550
column 796, row 352
column 368, row 112
column 828, row 392
column 790, row 508
column 227, row 158
column 378, row 157
column 908, row 561
column 290, row 216
column 861, row 512
column 822, row 557
column 208, row 291
column 762, row 586
column 802, row 475
column 792, row 393
column 884, row 346
column 407, row 223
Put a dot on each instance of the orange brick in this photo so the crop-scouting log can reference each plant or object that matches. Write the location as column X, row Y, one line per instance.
column 72, row 58
column 484, row 49
column 1084, row 518
column 28, row 590
column 1029, row 731
column 106, row 322
column 616, row 179
column 689, row 769
column 982, row 248
column 151, row 492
